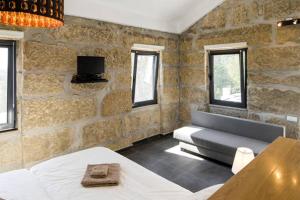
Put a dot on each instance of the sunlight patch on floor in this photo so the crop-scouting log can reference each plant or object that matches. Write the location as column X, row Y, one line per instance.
column 176, row 150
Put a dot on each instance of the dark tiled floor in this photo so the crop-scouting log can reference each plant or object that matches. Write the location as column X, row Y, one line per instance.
column 189, row 171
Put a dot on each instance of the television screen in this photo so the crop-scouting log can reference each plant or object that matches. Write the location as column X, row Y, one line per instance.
column 90, row 65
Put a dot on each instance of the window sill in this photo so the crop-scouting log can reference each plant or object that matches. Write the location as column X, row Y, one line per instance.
column 8, row 130
column 227, row 107
column 144, row 106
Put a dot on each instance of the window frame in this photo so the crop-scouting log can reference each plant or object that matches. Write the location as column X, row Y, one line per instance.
column 11, row 86
column 242, row 52
column 156, row 65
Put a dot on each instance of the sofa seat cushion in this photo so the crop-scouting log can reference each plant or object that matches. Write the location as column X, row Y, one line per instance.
column 217, row 141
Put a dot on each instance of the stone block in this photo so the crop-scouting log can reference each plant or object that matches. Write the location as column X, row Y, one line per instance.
column 119, row 143
column 274, row 101
column 170, row 76
column 277, row 78
column 229, row 111
column 116, row 102
column 195, row 58
column 184, row 112
column 135, row 137
column 170, row 95
column 54, row 58
column 257, row 8
column 169, row 127
column 44, row 145
column 276, row 58
column 104, row 33
column 186, row 44
column 295, row 7
column 276, row 9
column 169, row 117
column 214, row 19
column 253, row 35
column 193, row 95
column 132, row 36
column 170, row 58
column 43, row 84
column 101, row 132
column 152, row 131
column 239, row 15
column 10, row 151
column 87, row 87
column 169, row 113
column 145, row 39
column 140, row 119
column 288, row 34
column 122, row 80
column 116, row 58
column 54, row 111
column 192, row 76
column 172, row 43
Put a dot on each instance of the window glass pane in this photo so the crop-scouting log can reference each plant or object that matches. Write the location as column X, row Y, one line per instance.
column 132, row 67
column 227, row 77
column 3, row 84
column 145, row 78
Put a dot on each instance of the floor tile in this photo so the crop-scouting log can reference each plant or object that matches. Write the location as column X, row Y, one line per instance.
column 162, row 156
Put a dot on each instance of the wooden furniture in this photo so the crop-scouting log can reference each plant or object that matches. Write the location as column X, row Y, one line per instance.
column 273, row 175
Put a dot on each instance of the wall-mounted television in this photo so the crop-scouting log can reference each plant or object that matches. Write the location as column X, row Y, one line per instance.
column 90, row 65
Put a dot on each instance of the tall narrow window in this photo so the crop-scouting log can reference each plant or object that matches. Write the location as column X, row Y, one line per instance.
column 228, row 77
column 144, row 78
column 7, row 85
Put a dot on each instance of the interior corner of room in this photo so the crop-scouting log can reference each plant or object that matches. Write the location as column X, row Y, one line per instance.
column 180, row 99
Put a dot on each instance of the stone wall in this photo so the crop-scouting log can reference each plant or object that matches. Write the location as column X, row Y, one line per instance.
column 273, row 60
column 57, row 117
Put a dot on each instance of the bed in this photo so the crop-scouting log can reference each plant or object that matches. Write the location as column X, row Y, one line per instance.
column 59, row 179
column 21, row 185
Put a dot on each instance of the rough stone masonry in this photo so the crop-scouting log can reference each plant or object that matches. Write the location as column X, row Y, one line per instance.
column 56, row 117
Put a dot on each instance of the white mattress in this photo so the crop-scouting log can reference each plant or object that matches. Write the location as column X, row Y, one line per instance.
column 21, row 185
column 61, row 178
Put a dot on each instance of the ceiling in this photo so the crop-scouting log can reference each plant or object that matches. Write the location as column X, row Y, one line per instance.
column 174, row 16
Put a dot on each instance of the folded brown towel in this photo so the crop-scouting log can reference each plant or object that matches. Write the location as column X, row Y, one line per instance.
column 112, row 178
column 99, row 171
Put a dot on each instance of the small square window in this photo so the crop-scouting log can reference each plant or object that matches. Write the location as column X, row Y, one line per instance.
column 144, row 78
column 228, row 77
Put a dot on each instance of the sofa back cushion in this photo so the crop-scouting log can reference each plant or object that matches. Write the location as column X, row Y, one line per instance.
column 242, row 127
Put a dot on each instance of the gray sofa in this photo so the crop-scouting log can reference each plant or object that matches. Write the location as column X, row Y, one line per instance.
column 218, row 136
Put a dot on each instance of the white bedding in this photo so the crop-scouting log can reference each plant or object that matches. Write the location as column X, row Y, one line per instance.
column 61, row 179
column 21, row 185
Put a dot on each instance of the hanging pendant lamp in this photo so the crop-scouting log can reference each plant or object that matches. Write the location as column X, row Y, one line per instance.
column 32, row 13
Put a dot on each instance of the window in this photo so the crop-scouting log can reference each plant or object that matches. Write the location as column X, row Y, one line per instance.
column 144, row 77
column 228, row 77
column 7, row 85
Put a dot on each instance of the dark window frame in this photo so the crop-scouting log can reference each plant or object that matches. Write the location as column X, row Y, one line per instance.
column 156, row 65
column 243, row 75
column 11, row 86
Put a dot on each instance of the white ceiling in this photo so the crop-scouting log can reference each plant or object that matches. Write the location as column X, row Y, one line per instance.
column 174, row 16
